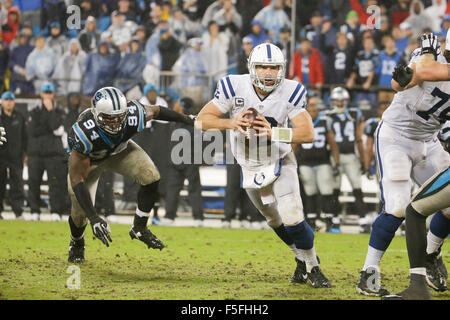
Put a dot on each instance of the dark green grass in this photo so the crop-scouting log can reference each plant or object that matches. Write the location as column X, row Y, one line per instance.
column 199, row 263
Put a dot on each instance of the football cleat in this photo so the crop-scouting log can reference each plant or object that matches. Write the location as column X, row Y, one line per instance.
column 435, row 278
column 144, row 235
column 317, row 279
column 411, row 293
column 368, row 287
column 76, row 251
column 441, row 265
column 300, row 274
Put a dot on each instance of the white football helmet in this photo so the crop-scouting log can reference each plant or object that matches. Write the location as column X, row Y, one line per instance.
column 340, row 99
column 110, row 109
column 266, row 54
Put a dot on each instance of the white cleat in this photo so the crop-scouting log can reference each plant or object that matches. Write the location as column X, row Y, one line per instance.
column 35, row 217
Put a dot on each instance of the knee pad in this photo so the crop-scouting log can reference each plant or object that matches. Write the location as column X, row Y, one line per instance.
column 147, row 196
column 383, row 231
column 302, row 235
column 397, row 166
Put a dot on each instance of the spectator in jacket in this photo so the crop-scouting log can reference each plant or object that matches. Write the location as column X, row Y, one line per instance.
column 182, row 27
column 89, row 36
column 273, row 18
column 247, row 46
column 214, row 50
column 169, row 47
column 57, row 41
column 12, row 153
column 285, row 44
column 40, row 63
column 100, row 69
column 70, row 66
column 306, row 65
column 46, row 153
column 363, row 73
column 9, row 30
column 192, row 61
column 258, row 34
column 130, row 67
column 388, row 60
column 16, row 64
column 418, row 19
column 339, row 59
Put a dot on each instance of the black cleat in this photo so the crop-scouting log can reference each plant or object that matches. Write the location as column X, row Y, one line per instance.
column 300, row 274
column 370, row 285
column 76, row 251
column 441, row 265
column 144, row 235
column 413, row 292
column 435, row 277
column 317, row 279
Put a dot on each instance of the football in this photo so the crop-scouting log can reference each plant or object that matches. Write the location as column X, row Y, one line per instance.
column 252, row 117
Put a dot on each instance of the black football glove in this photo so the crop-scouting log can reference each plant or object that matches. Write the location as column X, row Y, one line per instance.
column 430, row 44
column 336, row 171
column 402, row 74
column 100, row 229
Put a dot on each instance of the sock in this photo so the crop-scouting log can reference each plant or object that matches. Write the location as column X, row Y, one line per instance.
column 298, row 253
column 140, row 218
column 439, row 230
column 304, row 241
column 383, row 231
column 415, row 238
column 76, row 232
column 310, row 258
column 373, row 258
column 284, row 235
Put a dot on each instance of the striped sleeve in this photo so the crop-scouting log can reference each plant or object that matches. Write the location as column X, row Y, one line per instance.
column 77, row 140
column 444, row 134
column 224, row 94
column 297, row 100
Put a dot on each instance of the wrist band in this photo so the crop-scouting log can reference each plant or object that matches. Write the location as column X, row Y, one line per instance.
column 282, row 134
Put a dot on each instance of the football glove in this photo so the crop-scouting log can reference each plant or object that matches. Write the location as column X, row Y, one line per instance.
column 2, row 136
column 430, row 44
column 336, row 171
column 402, row 74
column 100, row 229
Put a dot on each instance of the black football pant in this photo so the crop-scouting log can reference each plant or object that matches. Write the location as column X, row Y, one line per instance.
column 16, row 194
column 104, row 198
column 175, row 181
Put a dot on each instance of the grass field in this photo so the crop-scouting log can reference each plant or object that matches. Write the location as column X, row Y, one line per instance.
column 199, row 263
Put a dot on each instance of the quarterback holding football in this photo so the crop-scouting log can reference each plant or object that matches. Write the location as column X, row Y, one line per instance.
column 260, row 105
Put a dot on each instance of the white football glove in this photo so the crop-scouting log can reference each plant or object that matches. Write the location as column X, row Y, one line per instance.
column 430, row 44
column 2, row 136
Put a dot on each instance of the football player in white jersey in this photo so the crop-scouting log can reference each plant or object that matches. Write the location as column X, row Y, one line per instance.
column 407, row 150
column 269, row 176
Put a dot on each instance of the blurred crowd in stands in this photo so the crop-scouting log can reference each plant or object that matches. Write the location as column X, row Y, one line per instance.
column 176, row 50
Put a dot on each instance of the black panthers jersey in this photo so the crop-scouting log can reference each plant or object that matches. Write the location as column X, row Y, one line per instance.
column 87, row 138
column 370, row 126
column 317, row 152
column 344, row 128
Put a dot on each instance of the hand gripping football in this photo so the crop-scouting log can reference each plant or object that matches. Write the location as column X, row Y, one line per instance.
column 252, row 117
